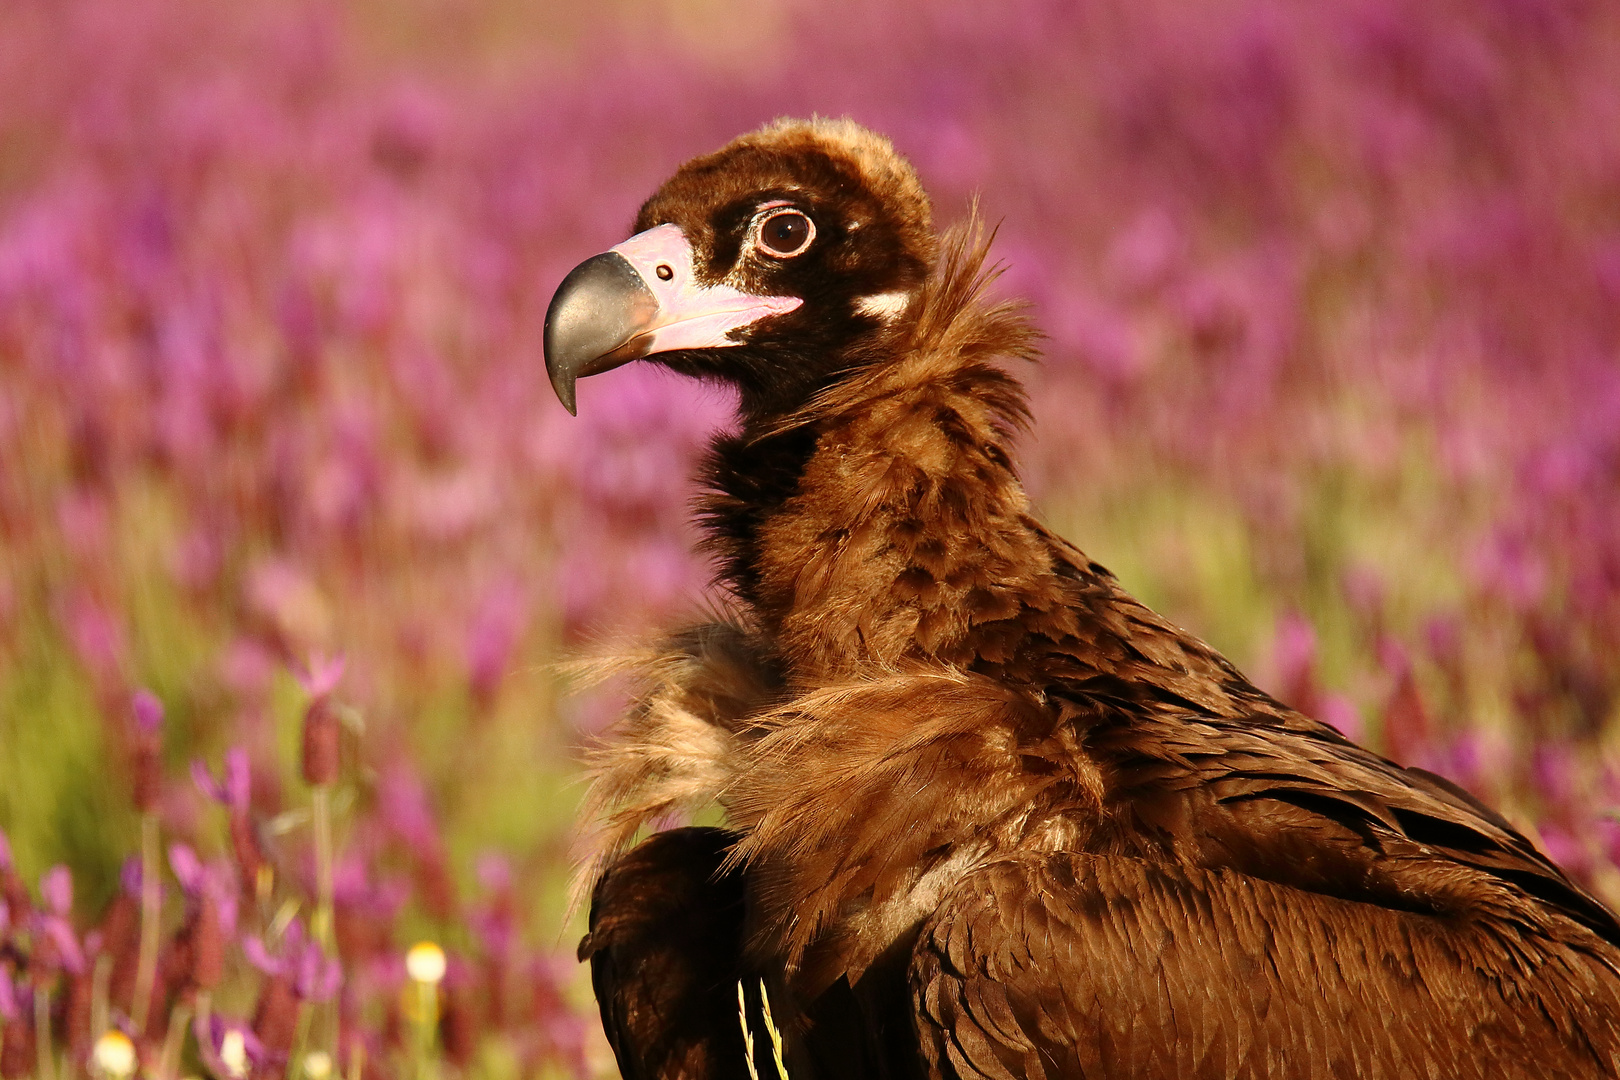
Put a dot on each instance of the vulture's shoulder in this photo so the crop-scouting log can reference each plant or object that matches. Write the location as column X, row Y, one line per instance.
column 1324, row 816
column 1107, row 966
column 1200, row 767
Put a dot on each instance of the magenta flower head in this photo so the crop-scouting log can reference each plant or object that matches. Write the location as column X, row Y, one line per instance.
column 148, row 712
column 234, row 791
column 188, row 869
column 317, row 976
column 402, row 803
column 494, row 921
column 354, row 891
column 314, row 975
column 491, row 636
column 494, row 872
column 322, row 743
column 235, row 784
column 145, row 744
column 321, row 675
column 210, row 914
column 201, row 883
column 61, row 944
column 228, row 1047
column 1295, row 647
column 56, row 889
column 129, row 877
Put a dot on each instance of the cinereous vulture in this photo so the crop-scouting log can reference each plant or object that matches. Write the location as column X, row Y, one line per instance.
column 986, row 815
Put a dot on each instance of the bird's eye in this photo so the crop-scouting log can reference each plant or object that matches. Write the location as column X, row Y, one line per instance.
column 785, row 233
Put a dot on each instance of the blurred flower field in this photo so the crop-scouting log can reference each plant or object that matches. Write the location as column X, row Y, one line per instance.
column 292, row 531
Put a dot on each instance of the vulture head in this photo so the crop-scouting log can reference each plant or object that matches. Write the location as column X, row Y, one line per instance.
column 767, row 265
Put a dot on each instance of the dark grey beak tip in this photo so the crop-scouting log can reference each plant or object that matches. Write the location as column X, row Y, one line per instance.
column 563, row 387
column 598, row 310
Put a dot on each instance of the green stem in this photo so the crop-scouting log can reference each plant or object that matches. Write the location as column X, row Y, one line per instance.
column 100, row 1011
column 42, row 1034
column 300, row 1040
column 169, row 1059
column 151, row 914
column 323, row 921
column 322, row 798
column 205, row 1009
column 427, row 1029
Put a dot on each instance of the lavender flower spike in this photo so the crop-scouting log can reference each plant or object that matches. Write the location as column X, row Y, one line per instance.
column 56, row 889
column 233, row 789
column 321, row 675
column 148, row 712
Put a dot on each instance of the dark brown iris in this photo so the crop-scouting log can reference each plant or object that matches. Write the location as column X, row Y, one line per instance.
column 785, row 233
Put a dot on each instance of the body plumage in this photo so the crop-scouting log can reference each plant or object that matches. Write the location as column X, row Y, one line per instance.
column 986, row 815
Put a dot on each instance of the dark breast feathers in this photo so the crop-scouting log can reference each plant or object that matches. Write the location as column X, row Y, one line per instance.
column 988, row 816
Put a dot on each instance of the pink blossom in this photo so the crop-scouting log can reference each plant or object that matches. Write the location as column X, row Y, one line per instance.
column 493, row 633
column 321, row 674
column 234, row 787
column 298, row 957
column 148, row 712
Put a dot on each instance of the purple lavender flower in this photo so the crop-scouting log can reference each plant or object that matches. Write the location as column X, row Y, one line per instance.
column 495, row 920
column 492, row 635
column 60, row 946
column 56, row 889
column 1340, row 713
column 129, row 877
column 314, row 975
column 148, row 712
column 402, row 803
column 97, row 636
column 145, row 744
column 228, row 1047
column 322, row 741
column 234, row 786
column 211, row 882
column 321, row 674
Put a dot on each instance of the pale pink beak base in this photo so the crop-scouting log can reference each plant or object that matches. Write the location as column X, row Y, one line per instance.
column 690, row 315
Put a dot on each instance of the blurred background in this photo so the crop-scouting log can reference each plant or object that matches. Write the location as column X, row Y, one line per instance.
column 1332, row 378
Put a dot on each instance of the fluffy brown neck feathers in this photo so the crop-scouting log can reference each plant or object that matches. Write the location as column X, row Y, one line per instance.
column 826, row 525
column 883, row 520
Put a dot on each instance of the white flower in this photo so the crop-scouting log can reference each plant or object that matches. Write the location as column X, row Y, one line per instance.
column 425, row 963
column 114, row 1054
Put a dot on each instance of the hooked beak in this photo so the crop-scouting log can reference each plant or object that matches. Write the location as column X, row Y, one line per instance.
column 640, row 298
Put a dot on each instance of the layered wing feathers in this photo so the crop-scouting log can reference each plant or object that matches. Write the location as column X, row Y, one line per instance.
column 1107, row 968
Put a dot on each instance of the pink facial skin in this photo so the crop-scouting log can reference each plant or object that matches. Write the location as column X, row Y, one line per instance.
column 690, row 315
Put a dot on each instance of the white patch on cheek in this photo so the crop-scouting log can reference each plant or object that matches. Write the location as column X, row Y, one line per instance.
column 884, row 305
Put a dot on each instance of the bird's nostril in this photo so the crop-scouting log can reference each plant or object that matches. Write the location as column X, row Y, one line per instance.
column 664, row 271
